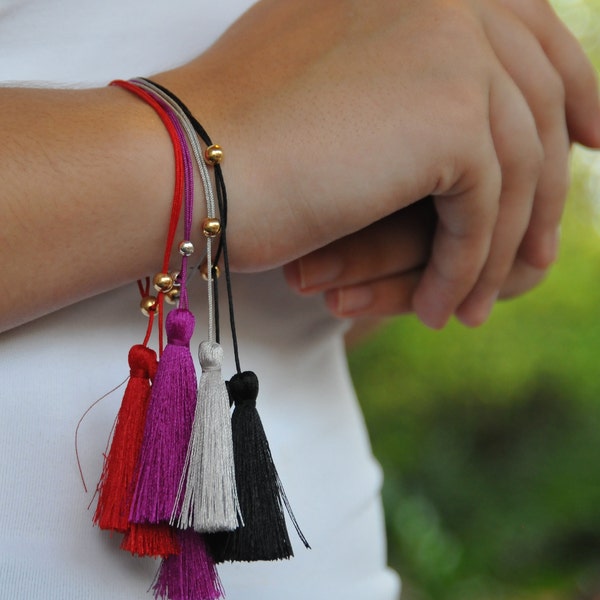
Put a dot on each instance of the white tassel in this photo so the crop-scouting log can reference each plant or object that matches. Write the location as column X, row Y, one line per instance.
column 210, row 501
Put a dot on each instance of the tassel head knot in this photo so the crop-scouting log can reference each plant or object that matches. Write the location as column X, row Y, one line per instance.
column 180, row 327
column 142, row 362
column 210, row 355
column 243, row 389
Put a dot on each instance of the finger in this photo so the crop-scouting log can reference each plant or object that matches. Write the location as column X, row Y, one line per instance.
column 520, row 155
column 568, row 58
column 466, row 218
column 392, row 296
column 381, row 298
column 522, row 278
column 541, row 85
column 391, row 246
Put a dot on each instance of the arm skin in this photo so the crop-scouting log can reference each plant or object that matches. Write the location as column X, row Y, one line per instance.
column 335, row 115
column 86, row 180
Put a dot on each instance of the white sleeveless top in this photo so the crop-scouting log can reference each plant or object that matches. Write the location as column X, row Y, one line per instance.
column 55, row 367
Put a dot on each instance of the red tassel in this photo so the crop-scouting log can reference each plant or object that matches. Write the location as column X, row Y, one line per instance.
column 148, row 539
column 115, row 489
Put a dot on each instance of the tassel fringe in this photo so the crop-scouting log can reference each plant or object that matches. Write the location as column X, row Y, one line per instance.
column 115, row 488
column 189, row 575
column 264, row 535
column 210, row 501
column 168, row 425
column 149, row 539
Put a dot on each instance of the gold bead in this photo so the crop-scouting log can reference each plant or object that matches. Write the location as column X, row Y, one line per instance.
column 211, row 227
column 175, row 277
column 186, row 248
column 172, row 296
column 148, row 305
column 204, row 271
column 213, row 155
column 163, row 282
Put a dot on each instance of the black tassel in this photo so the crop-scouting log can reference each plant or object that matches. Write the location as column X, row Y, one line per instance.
column 264, row 535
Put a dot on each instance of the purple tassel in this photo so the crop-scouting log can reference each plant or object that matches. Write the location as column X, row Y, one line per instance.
column 189, row 575
column 168, row 425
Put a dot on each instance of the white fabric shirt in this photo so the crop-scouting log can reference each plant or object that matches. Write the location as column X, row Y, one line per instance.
column 55, row 367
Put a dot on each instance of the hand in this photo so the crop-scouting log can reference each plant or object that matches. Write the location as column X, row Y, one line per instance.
column 375, row 272
column 337, row 114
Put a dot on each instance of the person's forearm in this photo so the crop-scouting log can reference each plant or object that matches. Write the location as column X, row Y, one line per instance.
column 86, row 181
column 334, row 116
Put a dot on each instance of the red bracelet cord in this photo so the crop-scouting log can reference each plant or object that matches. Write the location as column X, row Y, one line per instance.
column 176, row 203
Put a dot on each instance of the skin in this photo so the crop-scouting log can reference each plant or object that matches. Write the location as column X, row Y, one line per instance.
column 335, row 115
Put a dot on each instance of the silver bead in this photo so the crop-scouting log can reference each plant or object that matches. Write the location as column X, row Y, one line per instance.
column 186, row 248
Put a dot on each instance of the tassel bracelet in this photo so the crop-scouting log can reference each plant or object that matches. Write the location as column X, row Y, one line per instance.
column 185, row 479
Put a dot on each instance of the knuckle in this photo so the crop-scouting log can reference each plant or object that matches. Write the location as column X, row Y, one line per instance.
column 456, row 275
column 554, row 87
column 494, row 174
column 579, row 78
column 486, row 170
column 535, row 157
column 549, row 102
column 529, row 156
column 556, row 182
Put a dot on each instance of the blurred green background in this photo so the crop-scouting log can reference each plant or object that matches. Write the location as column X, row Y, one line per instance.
column 490, row 438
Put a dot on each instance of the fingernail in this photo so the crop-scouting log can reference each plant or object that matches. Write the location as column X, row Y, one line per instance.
column 433, row 320
column 550, row 245
column 319, row 270
column 350, row 301
column 474, row 317
column 429, row 309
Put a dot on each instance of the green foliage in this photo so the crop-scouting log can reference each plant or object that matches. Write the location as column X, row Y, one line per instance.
column 489, row 438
